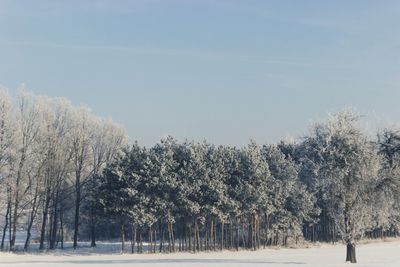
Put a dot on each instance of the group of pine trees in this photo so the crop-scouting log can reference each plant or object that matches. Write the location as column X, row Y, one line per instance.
column 195, row 196
column 72, row 175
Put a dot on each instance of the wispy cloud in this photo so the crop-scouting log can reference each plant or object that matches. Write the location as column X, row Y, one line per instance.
column 155, row 51
column 54, row 8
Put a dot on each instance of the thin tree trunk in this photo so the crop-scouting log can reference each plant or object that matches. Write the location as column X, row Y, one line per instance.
column 155, row 239
column 28, row 231
column 169, row 237
column 9, row 228
column 141, row 241
column 92, row 233
column 44, row 220
column 133, row 238
column 16, row 203
column 244, row 236
column 31, row 217
column 206, row 242
column 222, row 234
column 237, row 234
column 77, row 208
column 231, row 234
column 6, row 224
column 62, row 228
column 196, row 240
column 173, row 237
column 122, row 237
column 53, row 236
column 212, row 233
column 92, row 225
column 161, row 237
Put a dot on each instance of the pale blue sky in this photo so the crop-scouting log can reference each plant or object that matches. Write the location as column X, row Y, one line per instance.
column 222, row 70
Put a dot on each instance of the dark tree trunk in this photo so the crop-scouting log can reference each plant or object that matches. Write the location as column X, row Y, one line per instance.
column 141, row 240
column 28, row 232
column 122, row 237
column 169, row 237
column 93, row 234
column 196, row 239
column 44, row 221
column 222, row 234
column 155, row 239
column 77, row 207
column 351, row 253
column 161, row 237
column 190, row 237
column 133, row 238
column 9, row 223
column 31, row 218
column 172, row 237
column 15, row 216
column 237, row 235
column 61, row 228
column 212, row 236
column 53, row 234
column 6, row 225
column 92, row 225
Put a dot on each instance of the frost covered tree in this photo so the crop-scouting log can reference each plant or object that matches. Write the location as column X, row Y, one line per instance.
column 27, row 129
column 6, row 131
column 389, row 149
column 347, row 165
column 7, row 152
column 81, row 133
column 106, row 143
column 55, row 166
column 166, row 169
column 255, row 190
column 290, row 205
column 94, row 143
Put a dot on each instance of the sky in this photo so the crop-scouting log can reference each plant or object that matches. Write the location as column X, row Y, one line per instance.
column 223, row 70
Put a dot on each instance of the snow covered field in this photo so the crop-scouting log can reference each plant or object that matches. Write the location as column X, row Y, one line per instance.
column 385, row 254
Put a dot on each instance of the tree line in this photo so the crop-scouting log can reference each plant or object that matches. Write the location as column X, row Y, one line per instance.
column 73, row 176
column 50, row 154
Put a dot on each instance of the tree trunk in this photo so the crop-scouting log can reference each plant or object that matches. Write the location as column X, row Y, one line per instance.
column 155, row 239
column 196, row 239
column 222, row 234
column 92, row 226
column 237, row 235
column 44, row 221
column 77, row 207
column 141, row 240
column 122, row 237
column 190, row 237
column 53, row 235
column 161, row 237
column 351, row 253
column 6, row 225
column 169, row 237
column 15, row 216
column 93, row 233
column 31, row 218
column 28, row 231
column 62, row 228
column 133, row 238
column 212, row 237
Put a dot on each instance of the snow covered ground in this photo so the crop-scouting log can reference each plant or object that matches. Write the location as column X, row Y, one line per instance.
column 385, row 254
